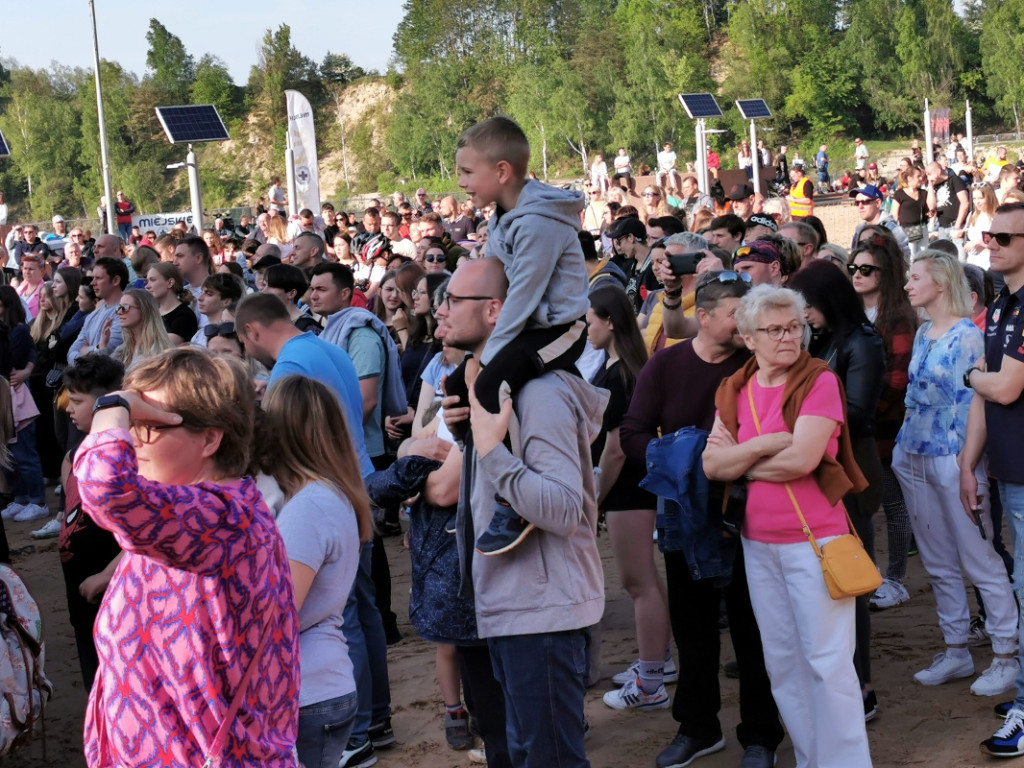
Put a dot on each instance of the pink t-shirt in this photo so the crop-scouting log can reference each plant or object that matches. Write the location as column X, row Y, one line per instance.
column 771, row 517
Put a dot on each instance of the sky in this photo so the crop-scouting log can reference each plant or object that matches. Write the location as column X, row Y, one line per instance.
column 230, row 30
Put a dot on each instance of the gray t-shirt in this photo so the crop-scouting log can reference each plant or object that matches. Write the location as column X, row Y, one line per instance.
column 320, row 531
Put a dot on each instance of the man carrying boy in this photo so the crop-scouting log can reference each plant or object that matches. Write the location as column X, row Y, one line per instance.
column 534, row 234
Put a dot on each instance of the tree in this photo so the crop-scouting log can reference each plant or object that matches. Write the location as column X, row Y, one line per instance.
column 280, row 67
column 338, row 68
column 173, row 68
column 213, row 85
column 1002, row 46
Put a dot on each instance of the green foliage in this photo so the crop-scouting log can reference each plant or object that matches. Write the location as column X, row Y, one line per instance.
column 173, row 68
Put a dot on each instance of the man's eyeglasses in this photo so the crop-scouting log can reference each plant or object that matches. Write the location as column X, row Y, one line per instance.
column 448, row 298
column 861, row 203
column 219, row 329
column 147, row 433
column 778, row 332
column 724, row 276
column 865, row 269
column 122, row 309
column 1002, row 238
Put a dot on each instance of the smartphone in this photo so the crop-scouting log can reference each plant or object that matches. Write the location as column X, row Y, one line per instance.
column 684, row 263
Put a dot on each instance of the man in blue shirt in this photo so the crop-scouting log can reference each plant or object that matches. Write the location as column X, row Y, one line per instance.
column 996, row 422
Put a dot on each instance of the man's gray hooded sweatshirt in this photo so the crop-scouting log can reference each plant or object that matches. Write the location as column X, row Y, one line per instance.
column 553, row 580
column 538, row 242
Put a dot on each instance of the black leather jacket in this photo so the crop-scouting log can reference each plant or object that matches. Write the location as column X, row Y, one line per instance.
column 858, row 358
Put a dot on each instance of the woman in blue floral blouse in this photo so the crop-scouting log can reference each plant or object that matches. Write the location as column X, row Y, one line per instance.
column 924, row 461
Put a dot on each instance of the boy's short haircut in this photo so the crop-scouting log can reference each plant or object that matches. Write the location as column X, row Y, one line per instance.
column 94, row 374
column 198, row 247
column 229, row 287
column 372, row 212
column 730, row 222
column 341, row 275
column 286, row 277
column 115, row 268
column 499, row 138
column 393, row 217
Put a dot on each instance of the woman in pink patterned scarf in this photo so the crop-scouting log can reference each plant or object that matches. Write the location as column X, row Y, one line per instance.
column 197, row 634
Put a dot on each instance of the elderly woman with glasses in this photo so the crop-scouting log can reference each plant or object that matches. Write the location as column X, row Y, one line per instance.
column 197, row 634
column 781, row 425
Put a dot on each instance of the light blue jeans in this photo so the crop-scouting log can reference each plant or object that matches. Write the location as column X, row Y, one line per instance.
column 1012, row 496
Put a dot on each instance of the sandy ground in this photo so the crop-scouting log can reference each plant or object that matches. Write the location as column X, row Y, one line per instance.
column 916, row 726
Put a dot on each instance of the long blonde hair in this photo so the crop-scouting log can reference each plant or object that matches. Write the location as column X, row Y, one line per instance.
column 277, row 229
column 309, row 442
column 45, row 322
column 150, row 338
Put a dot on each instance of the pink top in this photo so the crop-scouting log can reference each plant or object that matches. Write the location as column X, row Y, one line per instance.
column 771, row 517
column 204, row 570
column 31, row 301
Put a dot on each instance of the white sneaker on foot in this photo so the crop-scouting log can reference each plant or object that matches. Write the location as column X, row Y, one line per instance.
column 999, row 678
column 889, row 595
column 11, row 510
column 671, row 673
column 49, row 531
column 945, row 667
column 31, row 512
column 631, row 696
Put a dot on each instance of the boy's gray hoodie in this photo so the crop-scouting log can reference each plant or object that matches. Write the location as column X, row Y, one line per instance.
column 538, row 242
column 553, row 580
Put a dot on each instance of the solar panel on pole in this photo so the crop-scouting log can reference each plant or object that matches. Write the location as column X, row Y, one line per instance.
column 753, row 109
column 192, row 124
column 5, row 151
column 700, row 105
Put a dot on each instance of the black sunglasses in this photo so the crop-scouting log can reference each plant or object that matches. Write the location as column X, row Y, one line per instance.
column 724, row 276
column 219, row 329
column 864, row 269
column 1002, row 238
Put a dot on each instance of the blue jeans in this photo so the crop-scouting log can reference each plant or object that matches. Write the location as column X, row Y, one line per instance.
column 1012, row 497
column 26, row 479
column 324, row 729
column 544, row 679
column 125, row 231
column 368, row 649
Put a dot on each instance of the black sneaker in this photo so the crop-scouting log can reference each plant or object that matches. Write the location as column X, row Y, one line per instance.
column 870, row 706
column 1008, row 741
column 456, row 731
column 358, row 755
column 381, row 734
column 684, row 750
column 506, row 531
column 1002, row 710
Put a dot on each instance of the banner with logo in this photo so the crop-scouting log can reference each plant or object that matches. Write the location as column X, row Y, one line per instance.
column 161, row 222
column 940, row 125
column 303, row 141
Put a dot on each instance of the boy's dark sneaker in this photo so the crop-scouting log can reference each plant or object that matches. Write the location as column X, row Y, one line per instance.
column 870, row 706
column 684, row 750
column 358, row 755
column 381, row 734
column 506, row 531
column 1008, row 741
column 1002, row 710
column 456, row 731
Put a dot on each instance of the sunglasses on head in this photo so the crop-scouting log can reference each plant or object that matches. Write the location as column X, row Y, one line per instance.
column 724, row 276
column 219, row 329
column 865, row 269
column 1002, row 238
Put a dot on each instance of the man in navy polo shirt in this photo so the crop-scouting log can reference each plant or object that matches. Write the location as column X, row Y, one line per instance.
column 996, row 422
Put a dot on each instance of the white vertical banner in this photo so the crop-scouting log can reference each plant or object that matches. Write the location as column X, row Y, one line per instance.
column 303, row 141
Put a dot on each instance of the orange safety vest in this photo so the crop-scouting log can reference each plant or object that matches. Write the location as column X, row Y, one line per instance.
column 800, row 210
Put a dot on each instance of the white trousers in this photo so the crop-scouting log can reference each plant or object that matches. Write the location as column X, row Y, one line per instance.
column 808, row 643
column 951, row 548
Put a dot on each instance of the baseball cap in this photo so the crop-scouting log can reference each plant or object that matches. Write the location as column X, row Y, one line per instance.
column 627, row 225
column 872, row 166
column 763, row 220
column 58, row 219
column 868, row 190
column 740, row 192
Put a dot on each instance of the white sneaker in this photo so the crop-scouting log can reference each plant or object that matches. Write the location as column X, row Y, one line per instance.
column 477, row 756
column 997, row 679
column 49, row 531
column 671, row 673
column 889, row 595
column 31, row 512
column 11, row 510
column 977, row 635
column 631, row 696
column 945, row 667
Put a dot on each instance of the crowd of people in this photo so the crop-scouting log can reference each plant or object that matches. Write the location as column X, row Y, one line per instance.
column 237, row 417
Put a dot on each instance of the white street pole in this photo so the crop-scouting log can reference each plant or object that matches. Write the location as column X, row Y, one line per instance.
column 195, row 192
column 104, row 161
column 755, row 160
column 289, row 167
column 701, row 163
column 927, row 154
column 970, row 131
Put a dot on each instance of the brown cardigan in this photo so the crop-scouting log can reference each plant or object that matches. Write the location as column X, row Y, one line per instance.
column 836, row 478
